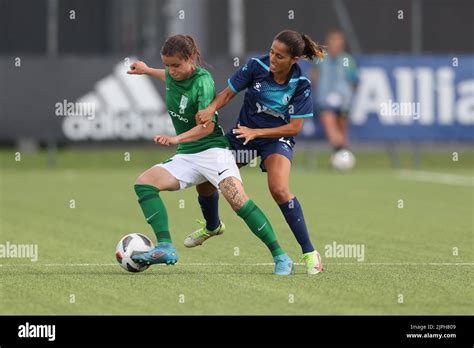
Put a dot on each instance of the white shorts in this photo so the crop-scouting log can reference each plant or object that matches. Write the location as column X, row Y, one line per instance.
column 213, row 165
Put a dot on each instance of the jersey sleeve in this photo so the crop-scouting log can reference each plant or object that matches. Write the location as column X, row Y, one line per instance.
column 242, row 78
column 206, row 94
column 301, row 104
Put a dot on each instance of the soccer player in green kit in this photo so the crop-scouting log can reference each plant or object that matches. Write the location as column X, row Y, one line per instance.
column 202, row 155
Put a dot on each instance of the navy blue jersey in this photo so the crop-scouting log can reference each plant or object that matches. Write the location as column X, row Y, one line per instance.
column 268, row 104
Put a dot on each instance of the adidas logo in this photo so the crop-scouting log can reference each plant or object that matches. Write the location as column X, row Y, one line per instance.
column 125, row 107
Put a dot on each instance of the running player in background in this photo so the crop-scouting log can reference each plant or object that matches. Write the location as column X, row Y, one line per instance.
column 277, row 100
column 334, row 81
column 202, row 155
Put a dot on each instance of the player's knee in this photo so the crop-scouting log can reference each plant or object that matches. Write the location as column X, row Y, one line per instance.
column 280, row 194
column 143, row 179
column 205, row 189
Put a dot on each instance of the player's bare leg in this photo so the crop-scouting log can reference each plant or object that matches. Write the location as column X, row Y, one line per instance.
column 233, row 192
column 158, row 177
column 342, row 122
column 205, row 189
column 333, row 133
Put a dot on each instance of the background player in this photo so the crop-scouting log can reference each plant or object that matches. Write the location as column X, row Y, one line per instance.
column 335, row 79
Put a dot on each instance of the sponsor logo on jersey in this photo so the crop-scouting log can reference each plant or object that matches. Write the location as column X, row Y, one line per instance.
column 268, row 111
column 179, row 117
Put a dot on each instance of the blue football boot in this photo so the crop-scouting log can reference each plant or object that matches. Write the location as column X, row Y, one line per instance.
column 162, row 253
column 283, row 265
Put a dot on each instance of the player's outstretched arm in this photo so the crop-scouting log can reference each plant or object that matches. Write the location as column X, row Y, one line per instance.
column 140, row 68
column 204, row 116
column 288, row 130
column 193, row 134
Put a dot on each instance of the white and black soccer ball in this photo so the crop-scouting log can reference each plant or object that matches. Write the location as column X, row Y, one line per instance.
column 132, row 244
column 343, row 160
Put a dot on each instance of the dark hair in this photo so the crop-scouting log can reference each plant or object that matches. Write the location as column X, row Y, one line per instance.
column 300, row 45
column 183, row 46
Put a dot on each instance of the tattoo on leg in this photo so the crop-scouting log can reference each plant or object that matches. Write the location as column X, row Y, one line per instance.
column 232, row 193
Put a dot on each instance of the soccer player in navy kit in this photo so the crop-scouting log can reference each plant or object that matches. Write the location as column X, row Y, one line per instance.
column 277, row 100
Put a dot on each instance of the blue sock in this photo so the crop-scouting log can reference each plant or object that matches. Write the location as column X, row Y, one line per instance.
column 294, row 217
column 210, row 210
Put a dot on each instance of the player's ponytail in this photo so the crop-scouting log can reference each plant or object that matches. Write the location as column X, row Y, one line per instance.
column 183, row 46
column 194, row 49
column 300, row 45
column 312, row 49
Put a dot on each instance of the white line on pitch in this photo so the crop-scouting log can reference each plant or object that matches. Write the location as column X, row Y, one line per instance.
column 255, row 264
column 439, row 178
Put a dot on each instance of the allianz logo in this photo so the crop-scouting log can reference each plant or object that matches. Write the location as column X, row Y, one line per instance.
column 419, row 95
column 126, row 107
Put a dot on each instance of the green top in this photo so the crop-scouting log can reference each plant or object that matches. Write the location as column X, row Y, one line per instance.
column 183, row 100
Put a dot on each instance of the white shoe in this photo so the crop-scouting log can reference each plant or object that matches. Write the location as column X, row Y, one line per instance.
column 201, row 235
column 313, row 262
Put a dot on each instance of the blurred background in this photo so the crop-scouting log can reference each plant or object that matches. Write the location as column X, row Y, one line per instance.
column 54, row 53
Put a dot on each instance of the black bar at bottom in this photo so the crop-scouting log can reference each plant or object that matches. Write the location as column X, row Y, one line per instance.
column 242, row 330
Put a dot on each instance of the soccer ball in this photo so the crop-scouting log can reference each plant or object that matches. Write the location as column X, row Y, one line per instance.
column 132, row 244
column 343, row 160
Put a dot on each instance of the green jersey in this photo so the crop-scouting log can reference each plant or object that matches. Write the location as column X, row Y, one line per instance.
column 183, row 100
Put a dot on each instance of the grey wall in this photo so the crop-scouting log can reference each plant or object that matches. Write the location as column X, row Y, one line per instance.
column 121, row 26
column 28, row 94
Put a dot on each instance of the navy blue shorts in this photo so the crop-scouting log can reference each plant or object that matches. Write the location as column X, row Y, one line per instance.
column 260, row 147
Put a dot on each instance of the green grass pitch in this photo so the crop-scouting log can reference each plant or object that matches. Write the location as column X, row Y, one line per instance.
column 417, row 259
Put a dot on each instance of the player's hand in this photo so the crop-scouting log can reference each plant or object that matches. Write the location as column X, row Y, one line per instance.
column 244, row 132
column 204, row 117
column 165, row 140
column 138, row 68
